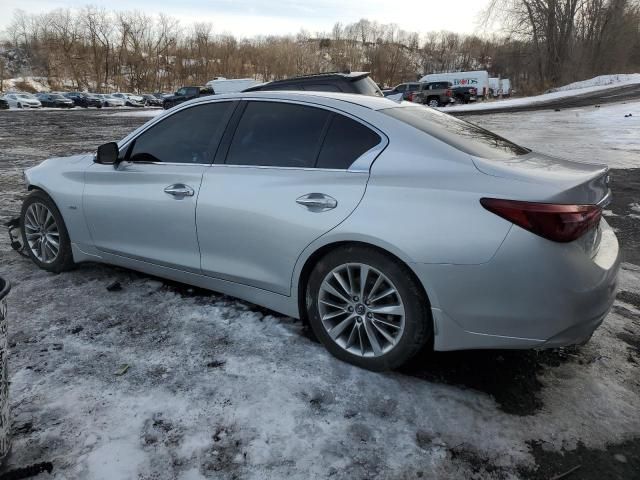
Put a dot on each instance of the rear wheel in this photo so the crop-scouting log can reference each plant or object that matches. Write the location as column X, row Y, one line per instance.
column 367, row 308
column 433, row 102
column 19, row 105
column 44, row 234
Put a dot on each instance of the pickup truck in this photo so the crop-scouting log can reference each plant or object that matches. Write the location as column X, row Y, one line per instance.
column 434, row 94
column 186, row 93
column 465, row 94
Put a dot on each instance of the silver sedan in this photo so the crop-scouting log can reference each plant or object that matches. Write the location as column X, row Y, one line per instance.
column 386, row 226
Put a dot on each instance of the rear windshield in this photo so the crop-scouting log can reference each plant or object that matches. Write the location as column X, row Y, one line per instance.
column 366, row 86
column 464, row 136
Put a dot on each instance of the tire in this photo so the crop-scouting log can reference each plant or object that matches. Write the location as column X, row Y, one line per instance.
column 63, row 260
column 19, row 105
column 410, row 333
column 433, row 102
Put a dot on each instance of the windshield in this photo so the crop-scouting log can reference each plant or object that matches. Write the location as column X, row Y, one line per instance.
column 57, row 96
column 182, row 91
column 25, row 95
column 464, row 136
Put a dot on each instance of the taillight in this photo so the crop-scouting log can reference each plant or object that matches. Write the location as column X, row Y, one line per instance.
column 557, row 222
column 410, row 97
column 448, row 93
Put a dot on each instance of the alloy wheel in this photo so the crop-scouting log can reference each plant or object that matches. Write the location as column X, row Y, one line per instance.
column 361, row 310
column 42, row 233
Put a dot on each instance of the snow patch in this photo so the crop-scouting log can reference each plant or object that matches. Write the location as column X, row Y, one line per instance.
column 602, row 80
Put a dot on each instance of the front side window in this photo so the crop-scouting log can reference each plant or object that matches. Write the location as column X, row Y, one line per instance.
column 278, row 134
column 346, row 140
column 188, row 136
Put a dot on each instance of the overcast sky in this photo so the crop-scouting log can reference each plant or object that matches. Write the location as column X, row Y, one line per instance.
column 247, row 18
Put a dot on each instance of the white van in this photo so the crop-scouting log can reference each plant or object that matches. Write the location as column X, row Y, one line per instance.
column 478, row 79
column 505, row 85
column 231, row 85
column 494, row 86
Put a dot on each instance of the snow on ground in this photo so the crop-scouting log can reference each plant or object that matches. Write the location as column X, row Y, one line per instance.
column 589, row 134
column 609, row 80
column 557, row 94
column 218, row 388
column 35, row 84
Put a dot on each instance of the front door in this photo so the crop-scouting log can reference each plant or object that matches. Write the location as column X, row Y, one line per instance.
column 145, row 207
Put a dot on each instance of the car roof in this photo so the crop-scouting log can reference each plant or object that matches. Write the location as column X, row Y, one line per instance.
column 323, row 98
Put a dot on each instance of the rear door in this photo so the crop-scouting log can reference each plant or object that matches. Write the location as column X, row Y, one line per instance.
column 145, row 208
column 287, row 174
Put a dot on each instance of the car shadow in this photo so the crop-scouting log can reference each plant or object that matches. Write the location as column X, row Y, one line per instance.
column 509, row 376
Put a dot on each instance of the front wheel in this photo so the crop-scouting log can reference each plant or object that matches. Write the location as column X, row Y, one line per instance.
column 19, row 105
column 44, row 233
column 367, row 308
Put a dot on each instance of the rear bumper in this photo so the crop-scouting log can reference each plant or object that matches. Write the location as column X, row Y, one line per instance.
column 532, row 294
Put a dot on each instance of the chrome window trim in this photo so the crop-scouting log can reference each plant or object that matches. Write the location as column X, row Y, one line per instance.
column 361, row 164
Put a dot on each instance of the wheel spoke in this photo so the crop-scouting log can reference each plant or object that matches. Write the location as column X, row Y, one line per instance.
column 329, row 288
column 386, row 335
column 388, row 310
column 339, row 328
column 364, row 273
column 329, row 316
column 373, row 340
column 384, row 322
column 352, row 336
column 387, row 292
column 342, row 283
column 326, row 302
column 352, row 286
column 375, row 286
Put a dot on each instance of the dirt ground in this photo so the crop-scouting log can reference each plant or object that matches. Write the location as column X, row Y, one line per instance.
column 150, row 379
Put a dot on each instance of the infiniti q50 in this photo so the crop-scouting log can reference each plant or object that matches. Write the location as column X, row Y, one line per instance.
column 388, row 227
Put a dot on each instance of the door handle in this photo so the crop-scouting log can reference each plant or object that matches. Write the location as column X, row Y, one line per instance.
column 179, row 190
column 317, row 202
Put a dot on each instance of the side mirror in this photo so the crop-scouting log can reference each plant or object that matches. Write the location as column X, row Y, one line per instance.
column 108, row 154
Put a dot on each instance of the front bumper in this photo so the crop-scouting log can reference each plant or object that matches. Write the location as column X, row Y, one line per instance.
column 533, row 293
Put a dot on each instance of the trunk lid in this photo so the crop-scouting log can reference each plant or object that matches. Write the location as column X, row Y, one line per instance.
column 560, row 181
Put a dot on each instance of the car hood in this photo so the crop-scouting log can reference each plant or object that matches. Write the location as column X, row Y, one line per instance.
column 74, row 163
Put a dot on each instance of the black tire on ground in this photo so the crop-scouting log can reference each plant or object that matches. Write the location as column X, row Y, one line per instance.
column 432, row 99
column 64, row 260
column 418, row 328
column 19, row 105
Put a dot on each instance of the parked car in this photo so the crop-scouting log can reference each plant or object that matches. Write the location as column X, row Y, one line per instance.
column 387, row 226
column 109, row 100
column 406, row 89
column 347, row 82
column 150, row 100
column 465, row 94
column 130, row 100
column 55, row 100
column 84, row 100
column 22, row 100
column 434, row 94
column 186, row 93
column 4, row 105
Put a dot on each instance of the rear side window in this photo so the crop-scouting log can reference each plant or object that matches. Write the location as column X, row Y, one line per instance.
column 464, row 136
column 188, row 136
column 366, row 86
column 322, row 87
column 278, row 134
column 346, row 140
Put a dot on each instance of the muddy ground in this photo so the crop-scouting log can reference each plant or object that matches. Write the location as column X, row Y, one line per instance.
column 216, row 388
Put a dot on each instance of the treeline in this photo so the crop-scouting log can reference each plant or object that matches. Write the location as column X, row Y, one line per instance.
column 544, row 43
